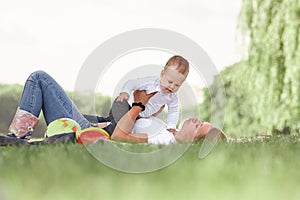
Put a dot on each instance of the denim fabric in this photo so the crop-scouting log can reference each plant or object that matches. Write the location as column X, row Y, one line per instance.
column 117, row 111
column 42, row 92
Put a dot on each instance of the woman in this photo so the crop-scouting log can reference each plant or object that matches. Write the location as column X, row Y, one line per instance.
column 153, row 131
column 42, row 92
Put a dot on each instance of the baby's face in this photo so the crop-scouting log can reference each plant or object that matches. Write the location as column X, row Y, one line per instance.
column 171, row 80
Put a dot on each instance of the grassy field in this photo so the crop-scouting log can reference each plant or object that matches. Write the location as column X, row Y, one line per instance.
column 252, row 170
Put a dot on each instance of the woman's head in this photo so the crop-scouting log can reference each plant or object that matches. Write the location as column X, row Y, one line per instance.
column 193, row 129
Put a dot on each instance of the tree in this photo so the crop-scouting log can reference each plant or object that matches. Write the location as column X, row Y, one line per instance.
column 272, row 28
column 263, row 90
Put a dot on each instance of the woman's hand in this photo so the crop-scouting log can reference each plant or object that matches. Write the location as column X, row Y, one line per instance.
column 141, row 96
column 125, row 125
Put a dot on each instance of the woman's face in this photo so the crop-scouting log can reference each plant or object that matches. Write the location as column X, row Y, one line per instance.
column 193, row 128
column 203, row 129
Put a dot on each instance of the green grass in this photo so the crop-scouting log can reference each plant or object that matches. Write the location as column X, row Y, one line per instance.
column 253, row 170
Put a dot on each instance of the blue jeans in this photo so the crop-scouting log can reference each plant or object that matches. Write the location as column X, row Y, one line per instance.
column 42, row 92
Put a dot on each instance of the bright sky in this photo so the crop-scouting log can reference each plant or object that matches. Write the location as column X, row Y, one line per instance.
column 57, row 36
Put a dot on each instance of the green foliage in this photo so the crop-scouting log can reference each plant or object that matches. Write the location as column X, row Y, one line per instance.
column 263, row 92
column 92, row 103
column 9, row 101
column 273, row 58
column 239, row 119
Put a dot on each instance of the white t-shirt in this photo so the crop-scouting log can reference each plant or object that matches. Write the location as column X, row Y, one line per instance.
column 156, row 130
column 152, row 84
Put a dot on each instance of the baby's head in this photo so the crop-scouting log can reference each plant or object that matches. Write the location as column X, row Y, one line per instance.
column 179, row 63
column 174, row 74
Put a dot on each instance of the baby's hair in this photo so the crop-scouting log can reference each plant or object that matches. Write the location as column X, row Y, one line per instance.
column 180, row 64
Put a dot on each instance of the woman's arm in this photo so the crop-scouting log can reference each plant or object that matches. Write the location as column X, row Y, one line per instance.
column 125, row 125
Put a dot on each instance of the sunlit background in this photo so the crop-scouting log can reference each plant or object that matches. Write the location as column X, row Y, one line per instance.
column 57, row 36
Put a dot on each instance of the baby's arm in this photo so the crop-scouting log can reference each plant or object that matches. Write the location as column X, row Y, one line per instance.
column 173, row 115
column 159, row 111
column 172, row 130
column 132, row 85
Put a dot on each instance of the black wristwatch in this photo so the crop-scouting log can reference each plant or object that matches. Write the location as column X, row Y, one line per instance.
column 139, row 104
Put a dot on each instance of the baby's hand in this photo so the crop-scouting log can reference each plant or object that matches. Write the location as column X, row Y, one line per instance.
column 123, row 96
column 172, row 130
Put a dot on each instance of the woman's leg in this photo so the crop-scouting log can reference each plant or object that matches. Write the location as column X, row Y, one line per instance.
column 42, row 92
column 117, row 111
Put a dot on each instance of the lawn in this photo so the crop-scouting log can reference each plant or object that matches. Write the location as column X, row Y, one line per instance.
column 266, row 169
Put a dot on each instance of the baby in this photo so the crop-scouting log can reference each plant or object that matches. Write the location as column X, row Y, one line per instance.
column 165, row 86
